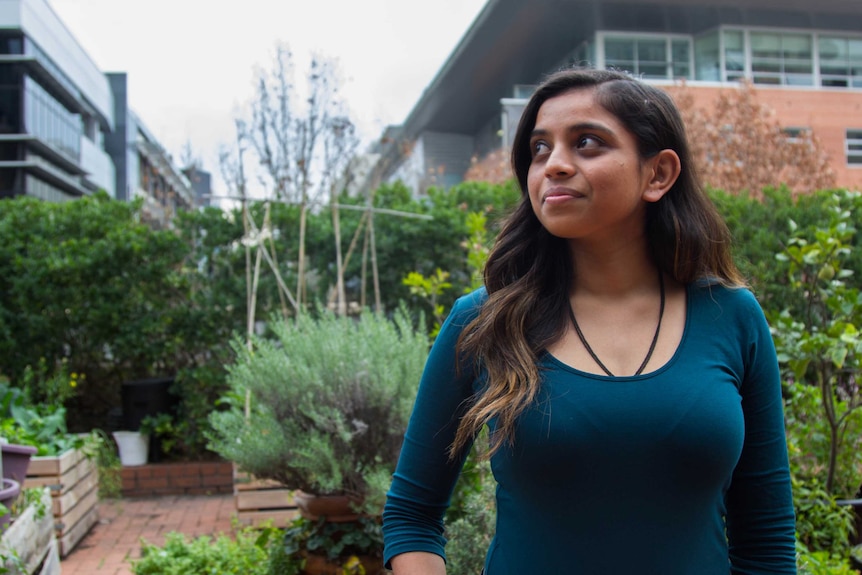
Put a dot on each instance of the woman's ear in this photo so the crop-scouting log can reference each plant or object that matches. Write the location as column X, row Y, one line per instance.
column 662, row 172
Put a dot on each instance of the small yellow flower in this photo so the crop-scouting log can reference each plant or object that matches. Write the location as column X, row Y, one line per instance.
column 353, row 566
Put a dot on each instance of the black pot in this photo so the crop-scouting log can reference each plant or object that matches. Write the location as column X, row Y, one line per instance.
column 148, row 398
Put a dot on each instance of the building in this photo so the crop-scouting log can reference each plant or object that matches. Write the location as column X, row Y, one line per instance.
column 66, row 129
column 804, row 58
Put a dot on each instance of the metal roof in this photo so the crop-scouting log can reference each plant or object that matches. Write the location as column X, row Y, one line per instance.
column 517, row 41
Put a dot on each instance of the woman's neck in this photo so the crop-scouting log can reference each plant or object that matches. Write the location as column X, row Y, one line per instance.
column 619, row 270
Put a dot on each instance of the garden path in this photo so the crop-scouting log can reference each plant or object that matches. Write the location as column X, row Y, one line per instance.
column 116, row 537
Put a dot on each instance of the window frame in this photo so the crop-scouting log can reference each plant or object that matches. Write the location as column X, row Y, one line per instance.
column 853, row 156
column 668, row 38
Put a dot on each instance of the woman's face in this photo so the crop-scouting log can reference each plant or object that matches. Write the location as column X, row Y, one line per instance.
column 586, row 179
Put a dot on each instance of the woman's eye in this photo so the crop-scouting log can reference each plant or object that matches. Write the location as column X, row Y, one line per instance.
column 587, row 142
column 540, row 147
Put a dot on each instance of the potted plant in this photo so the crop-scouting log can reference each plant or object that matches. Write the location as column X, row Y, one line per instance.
column 323, row 405
column 8, row 494
column 15, row 460
column 133, row 447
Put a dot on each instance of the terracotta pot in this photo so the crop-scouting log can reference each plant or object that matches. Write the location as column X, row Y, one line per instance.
column 8, row 494
column 335, row 508
column 16, row 460
column 320, row 565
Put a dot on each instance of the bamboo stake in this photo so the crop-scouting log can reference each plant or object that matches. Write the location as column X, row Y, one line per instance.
column 341, row 297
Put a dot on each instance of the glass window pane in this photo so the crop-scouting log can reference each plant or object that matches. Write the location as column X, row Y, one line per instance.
column 797, row 66
column 707, row 64
column 834, row 82
column 653, row 70
column 836, row 70
column 772, row 66
column 768, row 80
column 679, row 50
column 681, row 70
column 619, row 49
column 796, row 46
column 765, row 45
column 733, row 40
column 832, row 49
column 799, row 80
column 652, row 51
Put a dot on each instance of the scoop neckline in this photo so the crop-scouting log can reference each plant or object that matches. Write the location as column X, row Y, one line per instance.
column 548, row 356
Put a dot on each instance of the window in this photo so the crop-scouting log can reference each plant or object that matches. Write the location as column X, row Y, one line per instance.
column 840, row 61
column 652, row 57
column 734, row 54
column 797, row 134
column 50, row 121
column 12, row 44
column 707, row 58
column 782, row 58
column 854, row 147
column 523, row 91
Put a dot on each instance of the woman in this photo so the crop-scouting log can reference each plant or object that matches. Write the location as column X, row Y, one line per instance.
column 628, row 379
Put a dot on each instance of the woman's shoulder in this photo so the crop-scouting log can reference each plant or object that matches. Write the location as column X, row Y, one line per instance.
column 723, row 298
column 467, row 307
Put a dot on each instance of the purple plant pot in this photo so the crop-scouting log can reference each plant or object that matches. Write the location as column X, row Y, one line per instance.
column 16, row 460
column 8, row 495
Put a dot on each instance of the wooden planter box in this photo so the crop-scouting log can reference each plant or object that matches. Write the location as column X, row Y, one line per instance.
column 74, row 483
column 34, row 541
column 259, row 501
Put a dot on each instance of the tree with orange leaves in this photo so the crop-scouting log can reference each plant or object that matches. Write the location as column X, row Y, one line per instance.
column 738, row 146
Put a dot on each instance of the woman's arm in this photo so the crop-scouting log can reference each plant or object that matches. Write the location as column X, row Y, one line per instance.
column 425, row 476
column 760, row 515
column 418, row 563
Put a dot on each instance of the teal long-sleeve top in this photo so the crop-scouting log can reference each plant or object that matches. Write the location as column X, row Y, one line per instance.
column 682, row 470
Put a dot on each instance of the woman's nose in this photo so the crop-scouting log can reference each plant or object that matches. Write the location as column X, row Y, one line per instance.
column 559, row 164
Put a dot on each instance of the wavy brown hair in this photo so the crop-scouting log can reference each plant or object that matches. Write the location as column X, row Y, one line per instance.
column 529, row 272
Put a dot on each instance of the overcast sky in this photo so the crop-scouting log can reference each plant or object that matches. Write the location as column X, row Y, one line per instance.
column 191, row 63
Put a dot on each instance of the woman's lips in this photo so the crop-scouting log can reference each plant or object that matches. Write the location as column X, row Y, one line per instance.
column 559, row 195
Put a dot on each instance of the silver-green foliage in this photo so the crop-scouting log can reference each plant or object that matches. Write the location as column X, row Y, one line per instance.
column 470, row 535
column 329, row 402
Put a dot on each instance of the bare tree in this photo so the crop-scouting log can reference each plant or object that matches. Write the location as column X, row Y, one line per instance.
column 303, row 138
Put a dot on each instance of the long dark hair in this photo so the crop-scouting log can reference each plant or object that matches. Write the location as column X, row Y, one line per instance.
column 529, row 272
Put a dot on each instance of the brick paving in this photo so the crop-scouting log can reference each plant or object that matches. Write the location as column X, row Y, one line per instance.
column 116, row 537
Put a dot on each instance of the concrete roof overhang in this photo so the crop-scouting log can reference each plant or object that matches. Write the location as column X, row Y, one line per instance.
column 516, row 41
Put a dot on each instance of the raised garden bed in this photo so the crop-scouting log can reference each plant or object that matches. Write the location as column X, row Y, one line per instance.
column 29, row 545
column 73, row 480
column 259, row 501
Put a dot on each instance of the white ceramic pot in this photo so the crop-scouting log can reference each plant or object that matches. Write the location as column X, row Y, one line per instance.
column 133, row 447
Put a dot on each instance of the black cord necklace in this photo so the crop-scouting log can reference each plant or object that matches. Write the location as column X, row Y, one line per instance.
column 651, row 347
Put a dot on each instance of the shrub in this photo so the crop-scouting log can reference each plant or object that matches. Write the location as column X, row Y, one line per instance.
column 474, row 524
column 247, row 554
column 327, row 403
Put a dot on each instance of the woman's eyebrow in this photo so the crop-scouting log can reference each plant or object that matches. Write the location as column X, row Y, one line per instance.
column 579, row 127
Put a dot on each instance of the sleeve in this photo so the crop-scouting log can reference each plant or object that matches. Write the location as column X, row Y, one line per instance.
column 425, row 476
column 761, row 526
